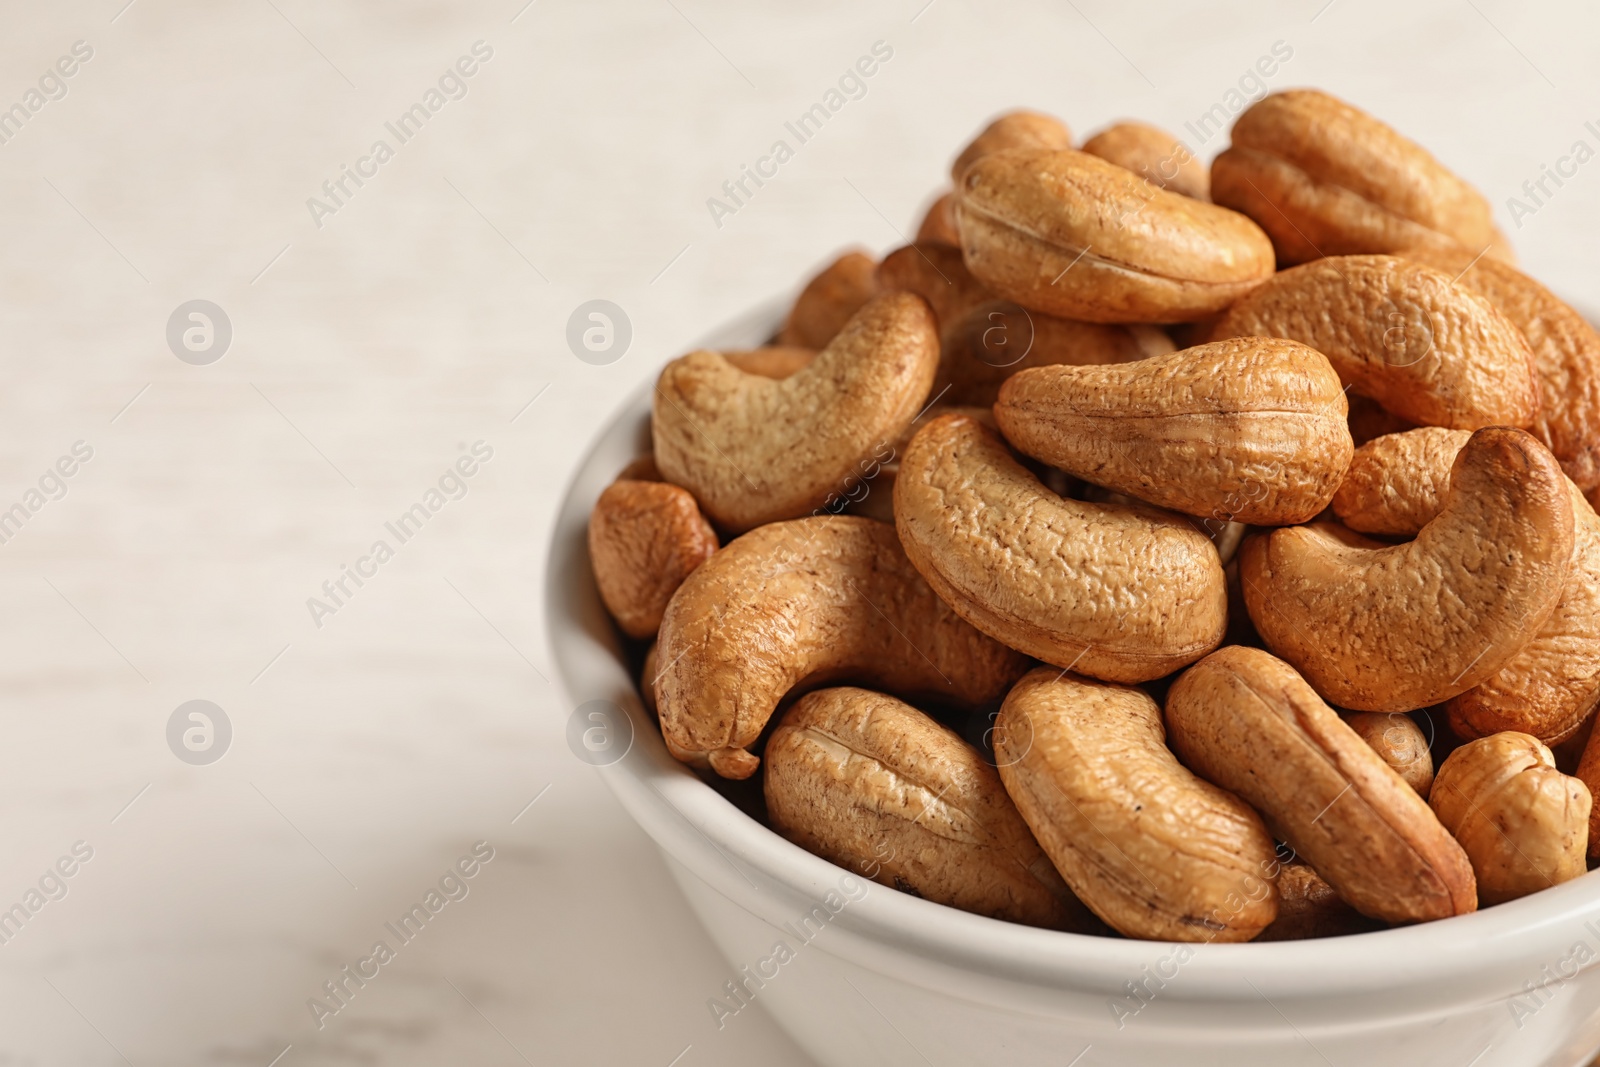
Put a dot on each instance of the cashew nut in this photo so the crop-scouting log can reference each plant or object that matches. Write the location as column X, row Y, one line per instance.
column 1400, row 627
column 1396, row 484
column 1122, row 593
column 1153, row 850
column 881, row 789
column 1326, row 179
column 1524, row 824
column 1251, row 429
column 755, row 450
column 939, row 224
column 644, row 539
column 1153, row 154
column 1245, row 721
column 1399, row 742
column 1069, row 234
column 1402, row 333
column 1566, row 354
column 829, row 300
column 804, row 603
column 1014, row 129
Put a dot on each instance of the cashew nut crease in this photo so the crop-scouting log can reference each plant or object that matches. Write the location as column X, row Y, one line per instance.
column 804, row 603
column 829, row 300
column 884, row 791
column 1251, row 429
column 1396, row 484
column 1326, row 179
column 1523, row 822
column 1428, row 350
column 1070, row 234
column 1152, row 849
column 1245, row 721
column 1400, row 627
column 1123, row 593
column 755, row 450
column 644, row 539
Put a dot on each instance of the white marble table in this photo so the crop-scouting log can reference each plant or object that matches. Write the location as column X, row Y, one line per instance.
column 377, row 337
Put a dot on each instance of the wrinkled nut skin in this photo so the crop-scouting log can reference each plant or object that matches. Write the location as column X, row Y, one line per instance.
column 1400, row 332
column 874, row 785
column 1326, row 179
column 1243, row 720
column 984, row 340
column 1069, row 234
column 1127, row 594
column 1014, row 129
column 644, row 540
column 755, row 450
column 1153, row 154
column 1524, row 824
column 1397, row 483
column 1566, row 354
column 1251, row 429
column 1309, row 907
column 939, row 224
column 1155, row 851
column 1401, row 627
column 828, row 301
column 772, row 361
column 803, row 603
column 1399, row 742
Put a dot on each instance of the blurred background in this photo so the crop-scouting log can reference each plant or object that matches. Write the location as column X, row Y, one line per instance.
column 371, row 317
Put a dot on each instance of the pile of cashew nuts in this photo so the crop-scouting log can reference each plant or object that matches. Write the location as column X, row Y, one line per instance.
column 1124, row 555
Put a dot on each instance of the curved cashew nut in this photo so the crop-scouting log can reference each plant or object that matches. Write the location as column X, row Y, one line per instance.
column 828, row 301
column 803, row 603
column 1397, row 483
column 1154, row 155
column 1152, row 849
column 1014, row 129
column 1400, row 627
column 1252, row 429
column 755, row 450
column 881, row 789
column 1402, row 333
column 1244, row 720
column 1122, row 593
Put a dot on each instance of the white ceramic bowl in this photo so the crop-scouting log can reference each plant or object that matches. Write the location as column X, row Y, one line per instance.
column 880, row 977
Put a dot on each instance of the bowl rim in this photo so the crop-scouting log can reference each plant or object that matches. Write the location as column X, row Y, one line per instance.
column 708, row 834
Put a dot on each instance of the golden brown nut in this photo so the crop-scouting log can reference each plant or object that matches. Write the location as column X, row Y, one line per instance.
column 1069, row 234
column 754, row 450
column 1153, row 154
column 1399, row 742
column 1402, row 333
column 772, row 361
column 939, row 224
column 1153, row 850
column 877, row 787
column 1396, row 485
column 828, row 301
column 1400, row 627
column 1251, row 429
column 1014, row 129
column 804, row 603
column 1309, row 907
column 1243, row 720
column 1524, row 823
column 1566, row 354
column 984, row 340
column 644, row 539
column 1122, row 593
column 1325, row 179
